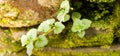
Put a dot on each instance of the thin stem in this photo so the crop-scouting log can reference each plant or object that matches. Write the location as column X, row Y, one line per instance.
column 49, row 31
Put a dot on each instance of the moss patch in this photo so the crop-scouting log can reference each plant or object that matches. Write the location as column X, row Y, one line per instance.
column 7, row 43
column 78, row 54
column 100, row 33
column 88, row 52
column 117, row 14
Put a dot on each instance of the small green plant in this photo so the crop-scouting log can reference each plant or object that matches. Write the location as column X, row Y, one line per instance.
column 30, row 38
column 63, row 15
column 33, row 39
column 79, row 26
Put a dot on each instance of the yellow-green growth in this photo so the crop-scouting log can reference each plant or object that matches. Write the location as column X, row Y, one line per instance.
column 100, row 33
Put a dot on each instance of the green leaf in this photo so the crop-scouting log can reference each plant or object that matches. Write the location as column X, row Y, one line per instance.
column 86, row 23
column 41, row 42
column 77, row 26
column 32, row 34
column 29, row 48
column 61, row 15
column 24, row 40
column 81, row 34
column 63, row 11
column 51, row 21
column 46, row 25
column 58, row 27
column 76, row 15
column 66, row 18
column 65, row 5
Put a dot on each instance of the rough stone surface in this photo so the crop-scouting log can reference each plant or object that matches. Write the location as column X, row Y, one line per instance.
column 23, row 13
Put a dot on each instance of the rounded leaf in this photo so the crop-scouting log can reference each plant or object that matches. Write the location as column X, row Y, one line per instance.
column 58, row 27
column 77, row 26
column 45, row 26
column 24, row 40
column 66, row 18
column 41, row 42
column 32, row 34
column 51, row 21
column 81, row 34
column 63, row 11
column 86, row 23
column 61, row 15
column 29, row 48
column 65, row 5
column 76, row 15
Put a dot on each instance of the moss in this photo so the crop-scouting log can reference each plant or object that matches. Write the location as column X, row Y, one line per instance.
column 102, row 1
column 100, row 33
column 117, row 14
column 72, row 40
column 117, row 8
column 75, row 53
column 118, row 33
column 7, row 42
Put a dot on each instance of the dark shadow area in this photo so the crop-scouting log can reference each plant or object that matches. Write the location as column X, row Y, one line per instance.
column 116, row 41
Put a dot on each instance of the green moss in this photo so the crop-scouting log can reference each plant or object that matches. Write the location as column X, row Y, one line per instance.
column 75, row 53
column 117, row 8
column 100, row 33
column 72, row 40
column 117, row 14
column 8, row 42
column 101, row 1
column 118, row 33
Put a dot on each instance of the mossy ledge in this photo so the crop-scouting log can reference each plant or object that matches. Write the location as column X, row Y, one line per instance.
column 90, row 51
column 100, row 33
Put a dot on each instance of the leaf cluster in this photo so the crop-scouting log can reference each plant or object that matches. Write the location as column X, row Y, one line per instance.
column 34, row 40
column 31, row 38
column 79, row 26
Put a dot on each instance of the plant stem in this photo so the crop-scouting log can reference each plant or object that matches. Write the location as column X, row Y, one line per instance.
column 48, row 31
